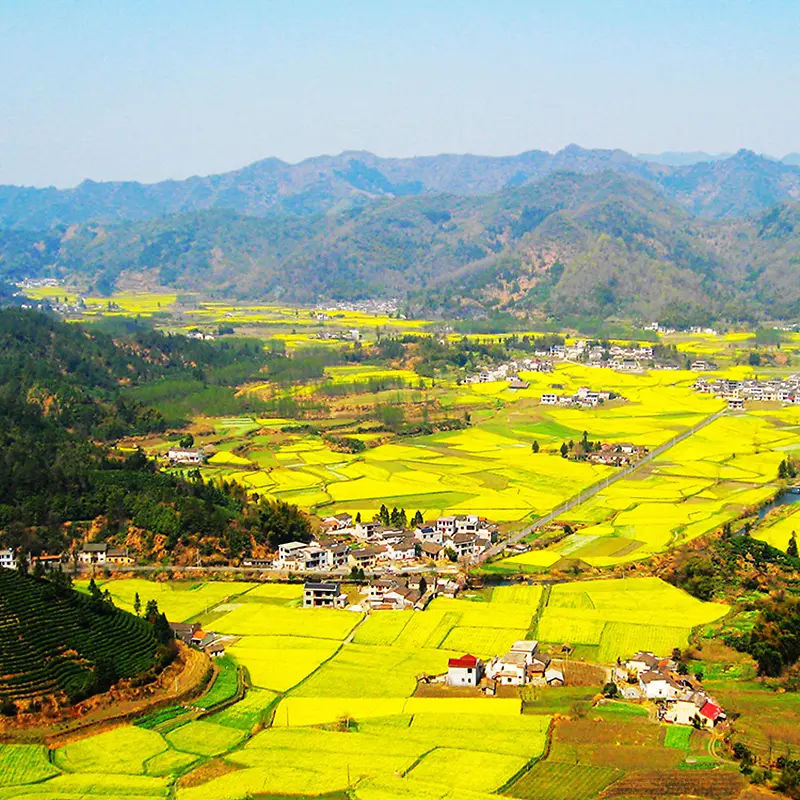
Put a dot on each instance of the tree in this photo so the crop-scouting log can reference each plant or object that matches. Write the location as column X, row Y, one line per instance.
column 699, row 675
column 564, row 450
column 187, row 440
column 535, row 446
column 358, row 518
column 418, row 519
column 383, row 515
column 610, row 689
column 683, row 669
column 137, row 604
column 151, row 611
column 791, row 549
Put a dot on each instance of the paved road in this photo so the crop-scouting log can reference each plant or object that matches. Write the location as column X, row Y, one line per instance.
column 584, row 495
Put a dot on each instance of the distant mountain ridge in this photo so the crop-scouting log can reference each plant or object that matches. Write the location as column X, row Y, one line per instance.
column 744, row 183
column 597, row 244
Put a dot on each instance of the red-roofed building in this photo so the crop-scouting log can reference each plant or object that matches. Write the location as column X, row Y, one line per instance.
column 711, row 713
column 464, row 671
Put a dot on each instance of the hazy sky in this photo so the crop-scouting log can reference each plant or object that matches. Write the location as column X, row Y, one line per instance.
column 151, row 89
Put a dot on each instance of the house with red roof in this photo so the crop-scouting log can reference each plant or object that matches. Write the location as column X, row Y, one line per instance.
column 464, row 671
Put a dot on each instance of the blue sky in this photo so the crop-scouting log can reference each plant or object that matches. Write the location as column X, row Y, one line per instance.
column 146, row 90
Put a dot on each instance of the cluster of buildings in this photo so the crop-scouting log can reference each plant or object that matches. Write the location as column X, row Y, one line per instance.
column 509, row 371
column 523, row 664
column 617, row 455
column 186, row 456
column 681, row 699
column 584, row 397
column 192, row 634
column 774, row 390
column 351, row 335
column 375, row 546
column 90, row 554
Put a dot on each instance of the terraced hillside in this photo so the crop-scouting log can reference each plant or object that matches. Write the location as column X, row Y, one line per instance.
column 60, row 641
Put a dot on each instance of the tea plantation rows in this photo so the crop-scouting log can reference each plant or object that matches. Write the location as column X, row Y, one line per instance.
column 51, row 643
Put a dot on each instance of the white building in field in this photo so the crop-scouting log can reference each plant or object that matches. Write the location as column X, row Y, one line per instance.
column 464, row 671
column 8, row 558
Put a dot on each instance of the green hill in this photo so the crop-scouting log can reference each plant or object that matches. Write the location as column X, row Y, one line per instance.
column 56, row 641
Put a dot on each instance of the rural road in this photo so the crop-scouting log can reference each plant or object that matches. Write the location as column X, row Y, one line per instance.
column 585, row 494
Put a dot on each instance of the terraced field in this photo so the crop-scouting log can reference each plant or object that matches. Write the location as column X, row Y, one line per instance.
column 50, row 644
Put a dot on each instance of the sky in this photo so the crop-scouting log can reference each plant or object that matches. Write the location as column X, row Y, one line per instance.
column 154, row 89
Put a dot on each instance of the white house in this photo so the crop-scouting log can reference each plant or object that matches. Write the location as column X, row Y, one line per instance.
column 93, row 553
column 658, row 686
column 519, row 665
column 288, row 554
column 8, row 558
column 323, row 595
column 183, row 455
column 549, row 399
column 428, row 533
column 508, row 670
column 464, row 671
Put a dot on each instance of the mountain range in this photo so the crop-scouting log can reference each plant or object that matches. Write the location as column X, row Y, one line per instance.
column 578, row 232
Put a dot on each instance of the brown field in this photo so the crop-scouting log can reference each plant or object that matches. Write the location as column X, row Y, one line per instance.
column 639, row 733
column 579, row 674
column 215, row 768
column 718, row 784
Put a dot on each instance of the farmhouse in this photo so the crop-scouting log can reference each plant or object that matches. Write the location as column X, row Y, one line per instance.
column 519, row 666
column 464, row 671
column 658, row 685
column 118, row 556
column 93, row 553
column 323, row 595
column 184, row 630
column 554, row 677
column 185, row 456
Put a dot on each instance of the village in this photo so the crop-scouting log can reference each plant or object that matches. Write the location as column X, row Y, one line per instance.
column 736, row 392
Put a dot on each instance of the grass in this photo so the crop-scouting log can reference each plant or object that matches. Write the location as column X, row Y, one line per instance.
column 205, row 738
column 24, row 763
column 225, row 685
column 558, row 781
column 124, row 750
column 677, row 736
column 252, row 619
column 623, row 616
column 281, row 662
column 466, row 769
column 252, row 710
column 180, row 601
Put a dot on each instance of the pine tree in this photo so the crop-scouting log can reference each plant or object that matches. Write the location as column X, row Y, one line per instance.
column 564, row 450
column 137, row 604
column 358, row 518
column 791, row 550
column 535, row 447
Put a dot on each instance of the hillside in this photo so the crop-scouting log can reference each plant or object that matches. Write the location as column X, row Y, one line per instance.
column 56, row 641
column 597, row 244
column 743, row 182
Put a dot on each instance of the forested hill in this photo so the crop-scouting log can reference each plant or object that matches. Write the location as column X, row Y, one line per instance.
column 598, row 244
column 75, row 375
column 61, row 395
column 741, row 184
